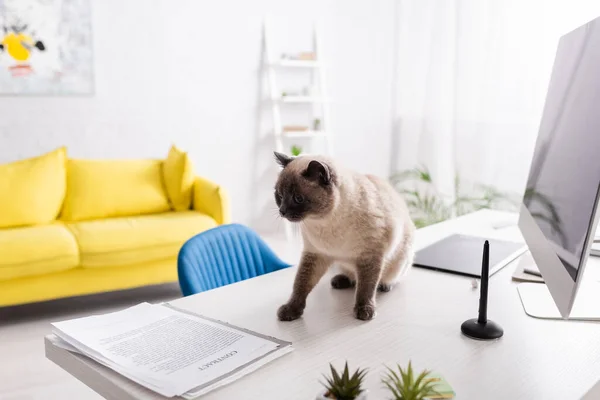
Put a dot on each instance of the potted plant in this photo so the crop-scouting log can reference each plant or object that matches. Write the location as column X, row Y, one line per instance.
column 344, row 386
column 405, row 386
column 316, row 124
column 296, row 150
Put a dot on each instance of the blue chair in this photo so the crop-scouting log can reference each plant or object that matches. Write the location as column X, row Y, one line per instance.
column 224, row 255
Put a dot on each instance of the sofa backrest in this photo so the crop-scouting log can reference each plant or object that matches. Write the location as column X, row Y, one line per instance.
column 41, row 189
column 113, row 188
column 32, row 190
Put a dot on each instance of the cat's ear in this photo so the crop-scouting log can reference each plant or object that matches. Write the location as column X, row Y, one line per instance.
column 317, row 171
column 282, row 159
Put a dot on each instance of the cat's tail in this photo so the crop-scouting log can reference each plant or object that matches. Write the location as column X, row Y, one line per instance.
column 408, row 264
column 409, row 258
column 400, row 263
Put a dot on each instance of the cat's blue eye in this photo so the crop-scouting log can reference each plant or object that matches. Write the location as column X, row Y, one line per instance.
column 298, row 198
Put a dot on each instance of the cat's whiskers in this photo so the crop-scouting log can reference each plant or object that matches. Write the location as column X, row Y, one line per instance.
column 297, row 228
column 276, row 223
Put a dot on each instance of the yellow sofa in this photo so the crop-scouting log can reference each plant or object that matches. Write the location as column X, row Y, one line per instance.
column 71, row 227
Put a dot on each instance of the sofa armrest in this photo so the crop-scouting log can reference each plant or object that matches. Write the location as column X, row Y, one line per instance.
column 211, row 199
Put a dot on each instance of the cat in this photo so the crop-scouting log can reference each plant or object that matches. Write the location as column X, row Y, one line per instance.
column 359, row 222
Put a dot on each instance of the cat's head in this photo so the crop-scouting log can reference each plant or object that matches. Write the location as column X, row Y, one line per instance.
column 305, row 188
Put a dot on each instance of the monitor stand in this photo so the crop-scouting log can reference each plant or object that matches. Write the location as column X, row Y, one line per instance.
column 538, row 302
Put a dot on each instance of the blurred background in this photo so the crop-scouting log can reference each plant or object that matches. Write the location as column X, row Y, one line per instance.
column 454, row 88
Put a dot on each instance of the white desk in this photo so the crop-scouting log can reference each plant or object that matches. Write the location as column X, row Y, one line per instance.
column 419, row 320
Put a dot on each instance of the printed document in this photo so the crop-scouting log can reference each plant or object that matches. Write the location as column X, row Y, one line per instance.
column 167, row 350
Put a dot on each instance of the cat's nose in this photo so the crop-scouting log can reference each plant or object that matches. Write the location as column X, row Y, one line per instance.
column 283, row 210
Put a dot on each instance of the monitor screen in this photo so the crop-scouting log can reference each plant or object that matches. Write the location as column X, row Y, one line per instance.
column 562, row 188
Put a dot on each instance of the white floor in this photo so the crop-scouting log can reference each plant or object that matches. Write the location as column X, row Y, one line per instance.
column 25, row 373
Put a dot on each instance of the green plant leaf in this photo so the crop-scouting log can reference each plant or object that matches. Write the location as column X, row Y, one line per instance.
column 402, row 176
column 336, row 377
column 296, row 150
column 427, row 206
column 424, row 174
column 410, row 373
column 456, row 185
column 345, row 386
column 404, row 386
column 346, row 375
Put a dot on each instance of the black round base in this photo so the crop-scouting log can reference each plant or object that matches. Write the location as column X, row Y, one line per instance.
column 488, row 331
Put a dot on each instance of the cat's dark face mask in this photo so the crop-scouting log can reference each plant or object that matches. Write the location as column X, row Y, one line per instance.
column 303, row 192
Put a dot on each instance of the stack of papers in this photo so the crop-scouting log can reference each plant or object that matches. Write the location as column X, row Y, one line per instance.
column 169, row 351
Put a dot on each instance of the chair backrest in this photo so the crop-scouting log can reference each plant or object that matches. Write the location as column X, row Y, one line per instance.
column 224, row 255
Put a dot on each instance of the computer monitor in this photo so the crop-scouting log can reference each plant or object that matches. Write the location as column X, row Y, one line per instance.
column 558, row 215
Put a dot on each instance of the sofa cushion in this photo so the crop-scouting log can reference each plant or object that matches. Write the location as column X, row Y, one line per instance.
column 32, row 191
column 113, row 188
column 178, row 174
column 132, row 240
column 36, row 250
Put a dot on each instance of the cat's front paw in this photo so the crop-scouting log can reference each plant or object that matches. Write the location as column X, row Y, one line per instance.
column 289, row 312
column 364, row 312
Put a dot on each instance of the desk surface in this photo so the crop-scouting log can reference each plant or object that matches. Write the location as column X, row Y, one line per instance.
column 419, row 320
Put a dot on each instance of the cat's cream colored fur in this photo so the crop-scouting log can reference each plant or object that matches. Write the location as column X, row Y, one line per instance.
column 366, row 230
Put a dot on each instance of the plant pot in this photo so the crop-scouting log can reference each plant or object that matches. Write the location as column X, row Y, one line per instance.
column 363, row 396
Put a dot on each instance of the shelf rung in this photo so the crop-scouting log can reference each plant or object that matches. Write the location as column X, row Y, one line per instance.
column 300, row 99
column 296, row 64
column 301, row 134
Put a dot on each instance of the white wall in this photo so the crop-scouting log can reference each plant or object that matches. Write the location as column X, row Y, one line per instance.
column 187, row 72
